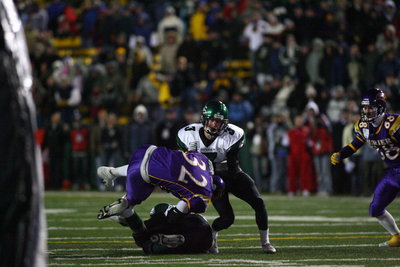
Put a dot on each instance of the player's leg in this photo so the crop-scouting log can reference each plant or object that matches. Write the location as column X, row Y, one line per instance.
column 225, row 219
column 243, row 187
column 137, row 190
column 385, row 192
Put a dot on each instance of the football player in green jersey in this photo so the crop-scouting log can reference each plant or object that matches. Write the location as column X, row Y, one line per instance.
column 221, row 141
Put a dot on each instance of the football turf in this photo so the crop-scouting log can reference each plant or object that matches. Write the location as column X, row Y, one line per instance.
column 312, row 231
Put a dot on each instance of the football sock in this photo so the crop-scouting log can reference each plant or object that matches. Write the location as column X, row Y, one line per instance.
column 264, row 236
column 135, row 222
column 388, row 222
column 123, row 170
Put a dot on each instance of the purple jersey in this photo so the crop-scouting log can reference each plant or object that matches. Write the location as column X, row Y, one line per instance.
column 186, row 175
column 382, row 138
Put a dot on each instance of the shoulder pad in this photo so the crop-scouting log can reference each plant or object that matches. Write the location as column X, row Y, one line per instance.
column 393, row 121
column 235, row 135
column 358, row 130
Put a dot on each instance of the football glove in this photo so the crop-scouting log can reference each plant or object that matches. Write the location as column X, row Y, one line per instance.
column 107, row 175
column 335, row 158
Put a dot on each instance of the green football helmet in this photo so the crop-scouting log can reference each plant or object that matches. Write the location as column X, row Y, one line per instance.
column 214, row 117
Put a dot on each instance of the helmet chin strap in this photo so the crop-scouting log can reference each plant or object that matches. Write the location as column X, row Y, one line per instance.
column 208, row 134
column 377, row 120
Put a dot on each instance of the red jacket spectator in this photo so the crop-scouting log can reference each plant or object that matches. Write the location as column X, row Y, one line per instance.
column 321, row 141
column 80, row 139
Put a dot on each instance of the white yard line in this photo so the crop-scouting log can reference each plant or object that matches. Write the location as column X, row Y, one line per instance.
column 138, row 260
column 221, row 247
column 240, row 217
column 221, row 234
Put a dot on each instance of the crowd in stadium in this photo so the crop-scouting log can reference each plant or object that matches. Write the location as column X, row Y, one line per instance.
column 290, row 72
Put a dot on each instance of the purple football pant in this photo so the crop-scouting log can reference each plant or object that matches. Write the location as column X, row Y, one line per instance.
column 137, row 189
column 385, row 192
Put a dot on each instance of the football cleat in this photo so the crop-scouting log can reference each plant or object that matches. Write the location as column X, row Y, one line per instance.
column 107, row 175
column 114, row 209
column 214, row 248
column 171, row 241
column 393, row 242
column 268, row 248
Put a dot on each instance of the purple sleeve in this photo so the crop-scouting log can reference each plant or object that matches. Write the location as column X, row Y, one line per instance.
column 349, row 150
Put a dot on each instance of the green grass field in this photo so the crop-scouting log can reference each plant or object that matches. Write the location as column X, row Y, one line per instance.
column 313, row 231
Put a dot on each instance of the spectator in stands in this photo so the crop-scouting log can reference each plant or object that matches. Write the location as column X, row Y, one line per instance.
column 322, row 147
column 353, row 165
column 145, row 28
column 387, row 39
column 192, row 52
column 278, row 146
column 300, row 166
column 240, row 110
column 253, row 33
column 114, row 91
column 256, row 133
column 289, row 56
column 89, row 15
column 182, row 84
column 67, row 98
column 282, row 96
column 355, row 67
column 55, row 139
column 99, row 124
column 38, row 18
column 93, row 88
column 333, row 71
column 314, row 60
column 391, row 88
column 111, row 144
column 213, row 50
column 167, row 129
column 168, row 53
column 275, row 67
column 80, row 140
column 197, row 22
column 170, row 22
column 138, row 131
column 275, row 27
column 390, row 63
column 140, row 60
column 262, row 59
column 389, row 12
column 370, row 61
column 153, row 91
column 336, row 104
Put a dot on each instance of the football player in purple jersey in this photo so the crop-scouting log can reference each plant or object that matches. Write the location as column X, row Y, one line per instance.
column 380, row 130
column 187, row 175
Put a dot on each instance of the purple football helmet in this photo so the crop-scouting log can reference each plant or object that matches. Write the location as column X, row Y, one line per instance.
column 373, row 105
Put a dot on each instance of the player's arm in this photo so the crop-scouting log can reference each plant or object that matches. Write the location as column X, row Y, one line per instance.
column 232, row 160
column 348, row 150
column 181, row 145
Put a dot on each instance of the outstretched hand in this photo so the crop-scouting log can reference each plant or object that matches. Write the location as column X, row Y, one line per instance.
column 335, row 158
